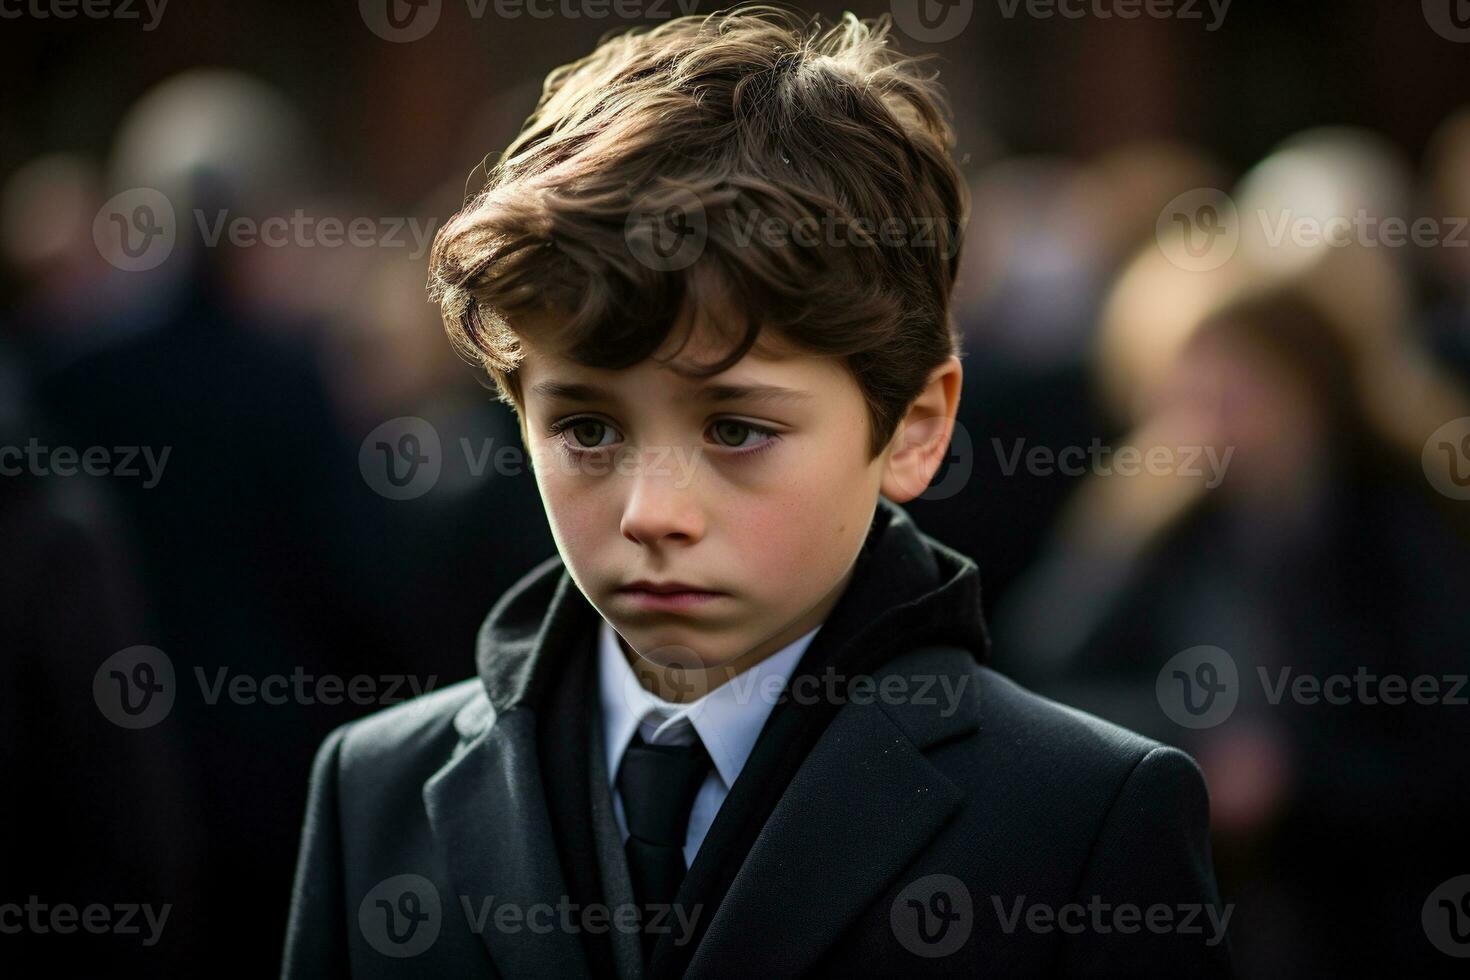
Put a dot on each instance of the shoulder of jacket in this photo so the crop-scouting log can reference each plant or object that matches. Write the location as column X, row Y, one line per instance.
column 1036, row 730
column 421, row 725
column 1070, row 729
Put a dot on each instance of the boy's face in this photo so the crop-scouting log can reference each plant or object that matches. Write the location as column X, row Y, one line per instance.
column 763, row 497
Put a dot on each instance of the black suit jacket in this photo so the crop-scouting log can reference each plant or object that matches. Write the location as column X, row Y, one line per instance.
column 965, row 826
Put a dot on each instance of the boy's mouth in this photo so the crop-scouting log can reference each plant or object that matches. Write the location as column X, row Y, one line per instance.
column 667, row 595
column 665, row 588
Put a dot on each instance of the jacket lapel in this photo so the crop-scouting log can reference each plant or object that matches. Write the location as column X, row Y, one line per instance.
column 862, row 806
column 487, row 809
column 617, row 886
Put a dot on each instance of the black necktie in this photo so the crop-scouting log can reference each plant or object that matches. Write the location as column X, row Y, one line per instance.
column 658, row 784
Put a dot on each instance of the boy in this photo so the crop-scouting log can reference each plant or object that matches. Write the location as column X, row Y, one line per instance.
column 738, row 726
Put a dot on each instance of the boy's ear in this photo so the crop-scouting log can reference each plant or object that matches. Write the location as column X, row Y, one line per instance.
column 921, row 440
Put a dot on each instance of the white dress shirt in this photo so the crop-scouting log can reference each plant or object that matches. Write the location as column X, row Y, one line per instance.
column 727, row 720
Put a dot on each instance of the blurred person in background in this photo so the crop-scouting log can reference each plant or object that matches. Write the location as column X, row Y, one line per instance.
column 1319, row 549
column 1046, row 237
column 1446, row 198
column 259, row 368
column 69, row 297
column 230, row 529
column 420, row 570
column 123, row 824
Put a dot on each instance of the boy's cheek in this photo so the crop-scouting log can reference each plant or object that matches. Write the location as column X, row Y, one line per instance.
column 788, row 550
column 580, row 522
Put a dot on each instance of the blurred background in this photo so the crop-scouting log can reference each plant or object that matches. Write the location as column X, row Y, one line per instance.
column 1214, row 437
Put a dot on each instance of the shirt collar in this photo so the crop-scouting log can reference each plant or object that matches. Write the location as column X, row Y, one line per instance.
column 728, row 719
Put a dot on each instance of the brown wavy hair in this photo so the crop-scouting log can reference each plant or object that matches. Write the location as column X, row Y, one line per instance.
column 752, row 118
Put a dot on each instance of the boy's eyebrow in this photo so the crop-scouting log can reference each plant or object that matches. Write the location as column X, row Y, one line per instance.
column 712, row 393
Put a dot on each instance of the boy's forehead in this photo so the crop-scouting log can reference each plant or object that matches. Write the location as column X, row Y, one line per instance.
column 676, row 361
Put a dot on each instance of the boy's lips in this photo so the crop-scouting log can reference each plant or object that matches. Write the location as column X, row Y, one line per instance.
column 667, row 595
column 665, row 588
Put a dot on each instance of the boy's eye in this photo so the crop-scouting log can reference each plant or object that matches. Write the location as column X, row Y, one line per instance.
column 732, row 433
column 587, row 433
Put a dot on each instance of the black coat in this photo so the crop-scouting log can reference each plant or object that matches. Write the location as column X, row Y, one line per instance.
column 959, row 825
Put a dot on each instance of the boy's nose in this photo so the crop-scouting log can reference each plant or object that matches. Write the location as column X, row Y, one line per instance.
column 661, row 506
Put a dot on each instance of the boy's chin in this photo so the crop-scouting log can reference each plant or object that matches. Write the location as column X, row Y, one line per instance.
column 668, row 649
